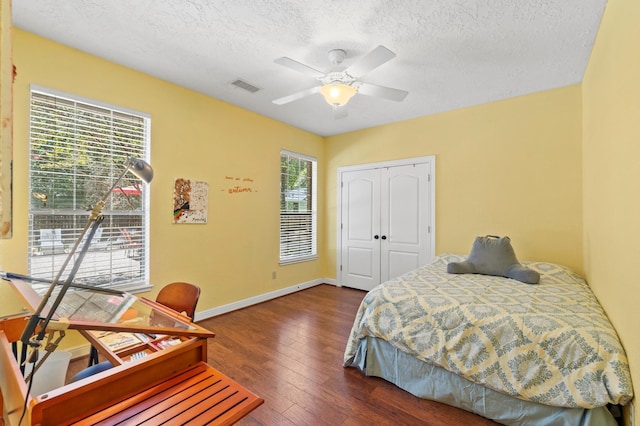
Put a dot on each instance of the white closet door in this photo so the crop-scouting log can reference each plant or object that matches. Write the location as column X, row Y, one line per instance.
column 404, row 221
column 360, row 225
column 385, row 223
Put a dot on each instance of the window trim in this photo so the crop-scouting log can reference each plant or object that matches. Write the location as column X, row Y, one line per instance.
column 314, row 211
column 134, row 286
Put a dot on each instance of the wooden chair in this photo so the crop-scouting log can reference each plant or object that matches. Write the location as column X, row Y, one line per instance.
column 180, row 296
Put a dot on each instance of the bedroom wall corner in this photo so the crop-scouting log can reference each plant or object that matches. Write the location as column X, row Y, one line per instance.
column 611, row 187
column 511, row 167
column 194, row 136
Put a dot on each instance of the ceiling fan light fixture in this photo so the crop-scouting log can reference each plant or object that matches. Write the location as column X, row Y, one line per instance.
column 337, row 94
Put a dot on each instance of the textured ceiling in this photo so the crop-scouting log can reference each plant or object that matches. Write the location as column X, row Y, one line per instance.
column 450, row 54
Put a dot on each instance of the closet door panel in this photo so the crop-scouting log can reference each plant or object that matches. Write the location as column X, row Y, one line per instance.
column 360, row 223
column 404, row 219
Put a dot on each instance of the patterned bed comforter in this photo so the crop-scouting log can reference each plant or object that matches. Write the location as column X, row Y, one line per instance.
column 549, row 343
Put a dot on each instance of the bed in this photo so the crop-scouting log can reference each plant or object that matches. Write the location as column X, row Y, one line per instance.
column 516, row 353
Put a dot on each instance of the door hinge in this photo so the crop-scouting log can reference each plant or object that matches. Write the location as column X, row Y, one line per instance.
column 340, row 268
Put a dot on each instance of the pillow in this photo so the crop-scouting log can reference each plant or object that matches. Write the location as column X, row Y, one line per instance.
column 493, row 255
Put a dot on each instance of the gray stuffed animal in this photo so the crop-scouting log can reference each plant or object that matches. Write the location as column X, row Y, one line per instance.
column 493, row 255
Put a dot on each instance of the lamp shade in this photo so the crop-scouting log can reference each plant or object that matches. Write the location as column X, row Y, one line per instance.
column 141, row 169
column 337, row 94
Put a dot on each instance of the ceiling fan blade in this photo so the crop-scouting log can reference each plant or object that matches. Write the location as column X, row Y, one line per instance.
column 296, row 96
column 382, row 92
column 340, row 112
column 297, row 66
column 373, row 59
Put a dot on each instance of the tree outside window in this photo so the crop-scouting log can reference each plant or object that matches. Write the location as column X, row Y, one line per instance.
column 297, row 207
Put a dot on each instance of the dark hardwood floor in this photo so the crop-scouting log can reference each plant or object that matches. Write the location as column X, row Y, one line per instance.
column 289, row 351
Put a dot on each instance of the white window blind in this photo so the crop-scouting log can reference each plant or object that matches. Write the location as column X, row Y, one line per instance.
column 77, row 151
column 298, row 236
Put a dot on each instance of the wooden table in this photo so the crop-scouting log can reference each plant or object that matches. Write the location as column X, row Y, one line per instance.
column 174, row 383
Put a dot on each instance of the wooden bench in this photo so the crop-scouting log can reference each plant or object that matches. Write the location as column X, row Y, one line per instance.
column 197, row 395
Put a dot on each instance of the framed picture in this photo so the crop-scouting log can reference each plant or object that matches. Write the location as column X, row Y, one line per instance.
column 190, row 201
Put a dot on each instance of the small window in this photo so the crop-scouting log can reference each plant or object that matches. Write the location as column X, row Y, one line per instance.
column 298, row 235
column 78, row 149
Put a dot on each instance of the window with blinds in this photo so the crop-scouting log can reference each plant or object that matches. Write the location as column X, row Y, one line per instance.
column 78, row 149
column 297, row 208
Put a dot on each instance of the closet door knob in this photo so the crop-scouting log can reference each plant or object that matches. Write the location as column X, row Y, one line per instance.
column 384, row 237
column 376, row 237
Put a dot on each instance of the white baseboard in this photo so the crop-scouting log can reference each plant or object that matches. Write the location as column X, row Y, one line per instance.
column 83, row 350
column 260, row 298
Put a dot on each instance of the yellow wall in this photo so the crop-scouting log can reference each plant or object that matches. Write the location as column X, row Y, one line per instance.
column 233, row 256
column 611, row 188
column 507, row 168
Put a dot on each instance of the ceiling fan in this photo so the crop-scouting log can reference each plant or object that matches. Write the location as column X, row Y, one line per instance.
column 339, row 86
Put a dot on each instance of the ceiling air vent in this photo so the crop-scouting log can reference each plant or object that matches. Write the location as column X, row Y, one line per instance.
column 246, row 86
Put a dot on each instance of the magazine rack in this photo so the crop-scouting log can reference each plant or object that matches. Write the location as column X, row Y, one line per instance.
column 159, row 358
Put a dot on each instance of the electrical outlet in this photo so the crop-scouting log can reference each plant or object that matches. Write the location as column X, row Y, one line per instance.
column 273, row 275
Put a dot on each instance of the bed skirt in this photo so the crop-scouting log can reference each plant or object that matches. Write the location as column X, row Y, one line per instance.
column 376, row 357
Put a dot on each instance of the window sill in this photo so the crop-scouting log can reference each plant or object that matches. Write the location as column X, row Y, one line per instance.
column 298, row 260
column 132, row 288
